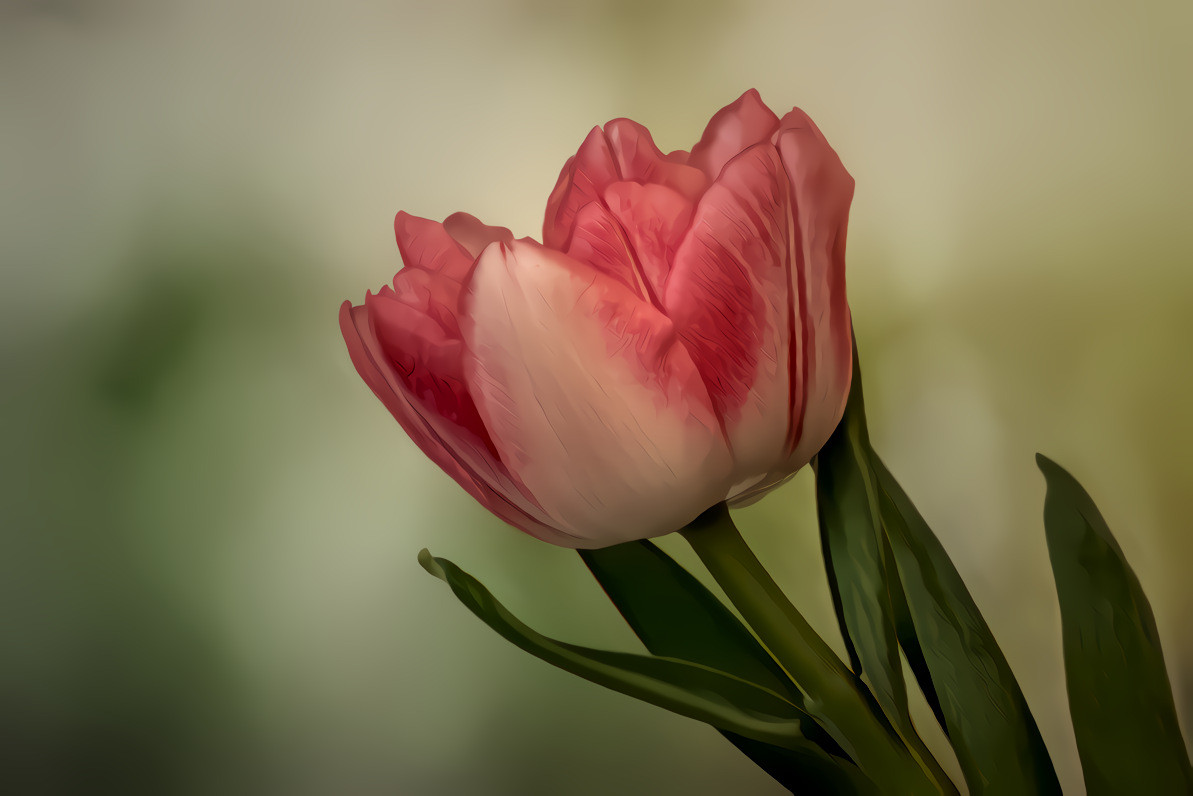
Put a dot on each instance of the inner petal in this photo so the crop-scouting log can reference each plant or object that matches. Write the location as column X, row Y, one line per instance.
column 471, row 234
column 655, row 219
column 429, row 360
column 733, row 129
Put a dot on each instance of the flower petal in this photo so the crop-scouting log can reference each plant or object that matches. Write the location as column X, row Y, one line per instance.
column 472, row 235
column 426, row 244
column 589, row 397
column 599, row 241
column 582, row 180
column 450, row 446
column 731, row 296
column 428, row 360
column 733, row 129
column 622, row 151
column 822, row 191
column 655, row 219
column 431, row 294
column 639, row 160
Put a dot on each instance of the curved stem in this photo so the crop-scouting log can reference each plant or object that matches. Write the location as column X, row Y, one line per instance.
column 835, row 696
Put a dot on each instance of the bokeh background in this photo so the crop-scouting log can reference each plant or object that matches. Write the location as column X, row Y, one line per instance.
column 209, row 524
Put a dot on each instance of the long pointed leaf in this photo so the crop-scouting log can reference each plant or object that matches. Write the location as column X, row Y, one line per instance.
column 987, row 718
column 689, row 689
column 676, row 616
column 851, row 535
column 1127, row 731
column 908, row 641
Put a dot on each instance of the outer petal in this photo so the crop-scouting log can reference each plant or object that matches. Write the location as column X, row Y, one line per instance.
column 731, row 297
column 589, row 397
column 822, row 190
column 446, row 444
column 733, row 129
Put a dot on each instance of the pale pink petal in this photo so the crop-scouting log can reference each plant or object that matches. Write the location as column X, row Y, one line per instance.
column 733, row 129
column 471, row 234
column 451, row 447
column 589, row 397
column 731, row 297
column 823, row 191
column 426, row 244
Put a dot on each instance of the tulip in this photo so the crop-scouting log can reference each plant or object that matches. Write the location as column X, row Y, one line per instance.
column 680, row 337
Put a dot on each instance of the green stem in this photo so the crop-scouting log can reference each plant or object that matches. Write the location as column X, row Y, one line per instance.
column 835, row 696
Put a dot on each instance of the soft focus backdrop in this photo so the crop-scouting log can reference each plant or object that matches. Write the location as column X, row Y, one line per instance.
column 207, row 574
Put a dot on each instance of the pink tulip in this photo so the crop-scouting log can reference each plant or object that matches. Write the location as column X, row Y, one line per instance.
column 681, row 336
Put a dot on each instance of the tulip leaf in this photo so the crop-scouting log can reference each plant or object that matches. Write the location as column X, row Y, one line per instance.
column 1128, row 736
column 986, row 716
column 852, row 540
column 676, row 616
column 908, row 641
column 689, row 689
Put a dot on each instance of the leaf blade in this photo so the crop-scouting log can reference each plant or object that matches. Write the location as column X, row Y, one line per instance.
column 686, row 688
column 986, row 715
column 851, row 535
column 676, row 616
column 1128, row 735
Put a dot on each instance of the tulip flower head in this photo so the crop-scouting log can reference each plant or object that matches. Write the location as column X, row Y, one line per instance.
column 680, row 337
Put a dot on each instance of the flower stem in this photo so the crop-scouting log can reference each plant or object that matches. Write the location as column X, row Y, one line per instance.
column 835, row 697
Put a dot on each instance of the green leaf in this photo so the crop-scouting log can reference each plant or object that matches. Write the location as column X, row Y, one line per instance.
column 908, row 641
column 676, row 616
column 1119, row 694
column 852, row 541
column 986, row 716
column 689, row 689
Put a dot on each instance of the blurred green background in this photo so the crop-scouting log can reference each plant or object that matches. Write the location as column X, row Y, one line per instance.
column 209, row 524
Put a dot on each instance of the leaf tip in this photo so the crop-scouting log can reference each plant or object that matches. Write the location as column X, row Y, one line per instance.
column 1049, row 468
column 428, row 562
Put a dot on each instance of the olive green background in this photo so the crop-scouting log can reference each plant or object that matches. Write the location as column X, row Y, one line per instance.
column 209, row 525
